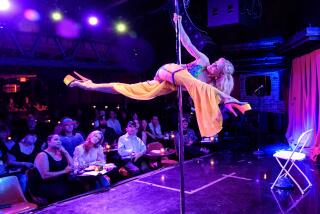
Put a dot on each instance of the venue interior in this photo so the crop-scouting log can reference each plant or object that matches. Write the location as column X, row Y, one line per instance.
column 213, row 106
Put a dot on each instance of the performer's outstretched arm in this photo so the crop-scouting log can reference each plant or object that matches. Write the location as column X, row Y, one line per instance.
column 186, row 42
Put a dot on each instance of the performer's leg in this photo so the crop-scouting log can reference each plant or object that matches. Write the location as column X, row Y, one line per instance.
column 105, row 87
column 87, row 84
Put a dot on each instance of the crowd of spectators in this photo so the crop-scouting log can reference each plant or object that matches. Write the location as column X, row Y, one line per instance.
column 52, row 156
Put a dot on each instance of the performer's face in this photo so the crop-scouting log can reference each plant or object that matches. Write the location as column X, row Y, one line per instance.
column 216, row 68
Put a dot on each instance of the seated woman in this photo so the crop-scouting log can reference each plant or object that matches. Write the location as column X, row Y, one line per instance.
column 54, row 165
column 4, row 138
column 90, row 152
column 144, row 133
column 5, row 144
column 24, row 153
column 22, row 156
column 207, row 84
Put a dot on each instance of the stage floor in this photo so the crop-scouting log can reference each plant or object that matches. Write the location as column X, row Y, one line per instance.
column 218, row 183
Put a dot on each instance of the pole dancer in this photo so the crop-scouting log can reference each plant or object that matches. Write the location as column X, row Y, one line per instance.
column 208, row 85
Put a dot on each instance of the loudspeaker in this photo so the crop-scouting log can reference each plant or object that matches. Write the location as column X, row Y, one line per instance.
column 223, row 12
column 232, row 12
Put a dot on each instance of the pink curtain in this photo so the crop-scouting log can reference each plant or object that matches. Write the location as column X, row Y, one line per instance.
column 304, row 100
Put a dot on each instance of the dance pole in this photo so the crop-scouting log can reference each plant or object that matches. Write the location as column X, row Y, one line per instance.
column 181, row 146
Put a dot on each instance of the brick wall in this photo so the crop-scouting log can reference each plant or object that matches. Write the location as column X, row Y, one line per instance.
column 270, row 103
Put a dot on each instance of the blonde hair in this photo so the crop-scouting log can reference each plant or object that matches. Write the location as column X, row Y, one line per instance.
column 225, row 82
column 94, row 132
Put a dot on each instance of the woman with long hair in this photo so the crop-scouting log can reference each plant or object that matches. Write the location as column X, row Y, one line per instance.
column 89, row 153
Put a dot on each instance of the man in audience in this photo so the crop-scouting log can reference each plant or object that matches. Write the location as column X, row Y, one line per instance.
column 131, row 149
column 112, row 122
column 69, row 139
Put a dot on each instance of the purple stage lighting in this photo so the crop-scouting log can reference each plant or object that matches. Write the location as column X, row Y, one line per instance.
column 68, row 28
column 4, row 5
column 31, row 15
column 93, row 20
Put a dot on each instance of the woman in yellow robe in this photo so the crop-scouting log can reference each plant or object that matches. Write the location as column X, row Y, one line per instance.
column 207, row 84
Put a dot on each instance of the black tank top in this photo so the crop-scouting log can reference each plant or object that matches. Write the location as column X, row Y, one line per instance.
column 22, row 157
column 55, row 166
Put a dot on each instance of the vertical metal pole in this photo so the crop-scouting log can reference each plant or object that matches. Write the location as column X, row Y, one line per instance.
column 181, row 144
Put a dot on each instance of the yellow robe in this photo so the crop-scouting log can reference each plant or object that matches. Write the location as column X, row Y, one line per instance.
column 206, row 98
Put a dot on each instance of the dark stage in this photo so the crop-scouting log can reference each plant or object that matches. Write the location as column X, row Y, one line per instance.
column 218, row 183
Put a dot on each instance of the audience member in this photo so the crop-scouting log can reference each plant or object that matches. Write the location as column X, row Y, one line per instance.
column 101, row 120
column 123, row 119
column 135, row 116
column 90, row 152
column 4, row 137
column 22, row 156
column 144, row 133
column 189, row 138
column 54, row 166
column 24, row 153
column 5, row 143
column 155, row 128
column 131, row 149
column 110, row 136
column 68, row 137
column 112, row 122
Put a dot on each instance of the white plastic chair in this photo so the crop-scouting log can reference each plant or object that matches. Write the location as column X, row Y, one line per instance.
column 291, row 156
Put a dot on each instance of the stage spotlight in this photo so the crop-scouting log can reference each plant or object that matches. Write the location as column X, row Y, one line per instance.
column 121, row 27
column 93, row 20
column 68, row 28
column 56, row 16
column 31, row 15
column 4, row 5
column 265, row 176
